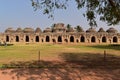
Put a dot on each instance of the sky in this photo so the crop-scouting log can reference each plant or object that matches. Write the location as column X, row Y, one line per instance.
column 20, row 13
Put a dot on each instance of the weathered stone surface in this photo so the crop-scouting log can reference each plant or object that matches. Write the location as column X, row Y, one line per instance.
column 59, row 34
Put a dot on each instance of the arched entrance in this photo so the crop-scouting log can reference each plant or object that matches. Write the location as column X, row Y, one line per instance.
column 27, row 38
column 103, row 39
column 17, row 38
column 37, row 39
column 42, row 40
column 7, row 38
column 59, row 39
column 47, row 39
column 71, row 39
column 82, row 39
column 54, row 41
column 93, row 39
column 115, row 39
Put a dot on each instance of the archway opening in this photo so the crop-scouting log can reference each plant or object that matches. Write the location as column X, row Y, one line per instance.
column 37, row 39
column 7, row 38
column 47, row 39
column 17, row 38
column 59, row 39
column 77, row 40
column 27, row 38
column 82, row 39
column 53, row 40
column 93, row 39
column 104, row 39
column 42, row 40
column 115, row 39
column 71, row 39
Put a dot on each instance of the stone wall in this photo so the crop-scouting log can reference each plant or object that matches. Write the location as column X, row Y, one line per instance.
column 60, row 34
column 71, row 37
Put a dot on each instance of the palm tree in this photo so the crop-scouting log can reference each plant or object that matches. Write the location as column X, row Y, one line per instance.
column 79, row 29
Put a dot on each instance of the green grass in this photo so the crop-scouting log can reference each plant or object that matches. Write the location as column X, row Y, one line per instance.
column 49, row 51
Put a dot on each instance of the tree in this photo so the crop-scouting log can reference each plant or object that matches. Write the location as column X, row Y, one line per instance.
column 108, row 10
column 68, row 27
column 53, row 25
column 79, row 29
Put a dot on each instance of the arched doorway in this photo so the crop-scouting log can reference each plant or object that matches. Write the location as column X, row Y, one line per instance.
column 115, row 39
column 7, row 38
column 27, row 38
column 47, row 39
column 103, row 39
column 59, row 39
column 93, row 39
column 17, row 38
column 37, row 39
column 42, row 40
column 82, row 39
column 71, row 39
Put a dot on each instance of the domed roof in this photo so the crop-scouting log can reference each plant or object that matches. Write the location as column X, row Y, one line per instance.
column 9, row 30
column 47, row 30
column 91, row 30
column 101, row 30
column 112, row 30
column 38, row 30
column 28, row 30
column 59, row 26
column 19, row 30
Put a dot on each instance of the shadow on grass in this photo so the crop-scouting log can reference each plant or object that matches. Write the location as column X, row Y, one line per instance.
column 89, row 60
column 73, row 60
column 110, row 46
column 75, row 66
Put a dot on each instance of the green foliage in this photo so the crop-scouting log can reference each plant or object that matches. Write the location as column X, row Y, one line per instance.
column 79, row 29
column 68, row 27
column 52, row 27
column 48, row 6
column 108, row 10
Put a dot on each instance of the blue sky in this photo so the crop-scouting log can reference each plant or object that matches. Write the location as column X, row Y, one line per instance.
column 20, row 13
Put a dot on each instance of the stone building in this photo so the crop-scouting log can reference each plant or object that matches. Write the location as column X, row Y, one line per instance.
column 60, row 34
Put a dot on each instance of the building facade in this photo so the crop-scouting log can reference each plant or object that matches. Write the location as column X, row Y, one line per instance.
column 60, row 34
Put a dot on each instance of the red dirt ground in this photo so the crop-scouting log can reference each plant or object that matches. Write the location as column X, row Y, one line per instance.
column 59, row 74
column 62, row 71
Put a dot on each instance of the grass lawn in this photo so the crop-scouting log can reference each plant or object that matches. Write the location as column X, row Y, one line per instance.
column 54, row 52
column 59, row 62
